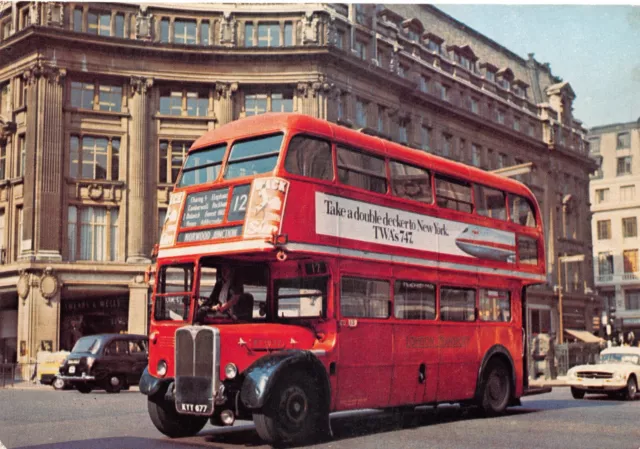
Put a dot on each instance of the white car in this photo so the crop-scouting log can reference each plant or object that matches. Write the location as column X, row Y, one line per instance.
column 617, row 373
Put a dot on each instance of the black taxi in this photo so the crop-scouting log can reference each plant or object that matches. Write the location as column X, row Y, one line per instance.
column 107, row 361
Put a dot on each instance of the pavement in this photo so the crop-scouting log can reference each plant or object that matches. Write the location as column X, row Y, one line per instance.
column 560, row 381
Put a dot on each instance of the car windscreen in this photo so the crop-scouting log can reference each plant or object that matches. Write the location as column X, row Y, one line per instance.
column 87, row 344
column 620, row 358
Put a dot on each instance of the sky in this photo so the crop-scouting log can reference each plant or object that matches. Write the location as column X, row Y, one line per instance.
column 596, row 48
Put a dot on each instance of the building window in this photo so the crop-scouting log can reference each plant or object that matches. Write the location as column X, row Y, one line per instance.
column 5, row 103
column 268, row 35
column 340, row 39
column 518, row 90
column 630, row 258
column 110, row 98
column 423, row 84
column 500, row 116
column 361, row 113
column 248, row 34
column 531, row 129
column 22, row 155
column 94, row 158
column 425, row 138
column 92, row 233
column 401, row 70
column 119, row 25
column 624, row 166
column 443, row 91
column 288, row 34
column 19, row 231
column 627, row 193
column 204, row 33
column 3, row 161
column 185, row 103
column 594, row 145
column 82, row 95
column 361, row 49
column 629, row 227
column 381, row 116
column 99, row 23
column 434, row 46
column 623, row 140
column 505, row 84
column 164, row 30
column 340, row 106
column 602, row 195
column 255, row 104
column 632, row 300
column 475, row 155
column 446, row 145
column 516, row 124
column 502, row 160
column 490, row 75
column 403, row 135
column 3, row 238
column 604, row 229
column 162, row 215
column 77, row 20
column 605, row 263
column 475, row 108
column 172, row 155
column 184, row 32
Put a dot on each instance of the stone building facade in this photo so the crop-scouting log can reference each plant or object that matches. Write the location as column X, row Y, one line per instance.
column 101, row 101
column 615, row 208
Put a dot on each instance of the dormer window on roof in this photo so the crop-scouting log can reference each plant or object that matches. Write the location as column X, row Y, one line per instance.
column 505, row 78
column 489, row 71
column 464, row 56
column 519, row 88
column 434, row 43
column 413, row 28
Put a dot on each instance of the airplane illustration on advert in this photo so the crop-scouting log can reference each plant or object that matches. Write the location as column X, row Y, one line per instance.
column 486, row 243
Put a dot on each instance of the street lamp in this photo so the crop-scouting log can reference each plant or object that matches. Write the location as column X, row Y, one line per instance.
column 561, row 260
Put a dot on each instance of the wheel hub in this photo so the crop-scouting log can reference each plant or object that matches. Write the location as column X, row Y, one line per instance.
column 295, row 405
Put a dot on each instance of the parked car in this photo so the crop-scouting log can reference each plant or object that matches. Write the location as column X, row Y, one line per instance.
column 616, row 374
column 108, row 361
column 49, row 368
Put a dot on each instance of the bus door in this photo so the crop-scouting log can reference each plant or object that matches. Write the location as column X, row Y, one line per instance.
column 415, row 341
column 364, row 368
column 457, row 340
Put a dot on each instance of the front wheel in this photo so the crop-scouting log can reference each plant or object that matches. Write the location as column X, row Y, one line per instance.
column 174, row 425
column 496, row 390
column 114, row 383
column 631, row 389
column 58, row 384
column 293, row 412
column 577, row 393
column 84, row 388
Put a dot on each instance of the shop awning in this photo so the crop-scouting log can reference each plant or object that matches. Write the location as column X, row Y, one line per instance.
column 585, row 336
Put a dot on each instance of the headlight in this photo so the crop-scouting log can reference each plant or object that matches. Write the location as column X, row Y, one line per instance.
column 231, row 371
column 161, row 368
column 90, row 361
column 572, row 374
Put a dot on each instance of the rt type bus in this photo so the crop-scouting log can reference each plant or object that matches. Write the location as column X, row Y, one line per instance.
column 363, row 274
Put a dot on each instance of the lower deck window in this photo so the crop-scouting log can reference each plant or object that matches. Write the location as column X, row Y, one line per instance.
column 414, row 300
column 457, row 304
column 495, row 305
column 301, row 297
column 364, row 298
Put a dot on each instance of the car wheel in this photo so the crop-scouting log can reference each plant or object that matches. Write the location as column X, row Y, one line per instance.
column 84, row 388
column 58, row 383
column 167, row 420
column 577, row 393
column 631, row 390
column 292, row 412
column 496, row 389
column 113, row 383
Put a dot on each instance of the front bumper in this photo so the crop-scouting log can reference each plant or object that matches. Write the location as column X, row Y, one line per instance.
column 597, row 384
column 78, row 379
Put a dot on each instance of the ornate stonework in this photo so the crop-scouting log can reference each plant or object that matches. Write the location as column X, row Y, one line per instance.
column 55, row 14
column 310, row 23
column 49, row 284
column 43, row 69
column 228, row 27
column 143, row 24
column 225, row 90
column 140, row 84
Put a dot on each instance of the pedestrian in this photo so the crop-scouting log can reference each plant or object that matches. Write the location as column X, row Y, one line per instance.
column 551, row 356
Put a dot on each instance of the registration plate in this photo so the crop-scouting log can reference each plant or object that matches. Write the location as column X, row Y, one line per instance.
column 72, row 369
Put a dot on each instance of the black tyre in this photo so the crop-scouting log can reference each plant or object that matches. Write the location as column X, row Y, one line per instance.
column 174, row 425
column 113, row 383
column 496, row 389
column 58, row 384
column 631, row 390
column 293, row 412
column 577, row 393
column 84, row 388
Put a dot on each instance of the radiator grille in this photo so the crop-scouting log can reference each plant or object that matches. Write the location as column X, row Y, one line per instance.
column 594, row 375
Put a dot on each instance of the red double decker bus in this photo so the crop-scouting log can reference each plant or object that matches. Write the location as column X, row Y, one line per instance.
column 306, row 268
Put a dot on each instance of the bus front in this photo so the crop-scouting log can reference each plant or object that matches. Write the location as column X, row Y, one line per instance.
column 231, row 315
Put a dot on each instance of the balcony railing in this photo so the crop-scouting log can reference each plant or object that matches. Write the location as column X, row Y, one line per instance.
column 613, row 278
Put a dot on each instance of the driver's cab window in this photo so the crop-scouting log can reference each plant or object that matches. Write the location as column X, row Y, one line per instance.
column 175, row 283
column 301, row 297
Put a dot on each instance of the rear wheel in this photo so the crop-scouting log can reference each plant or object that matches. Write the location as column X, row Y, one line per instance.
column 84, row 388
column 631, row 389
column 58, row 383
column 577, row 393
column 293, row 412
column 174, row 425
column 113, row 383
column 496, row 390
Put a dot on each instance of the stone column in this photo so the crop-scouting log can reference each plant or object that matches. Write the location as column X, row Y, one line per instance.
column 138, row 302
column 140, row 201
column 224, row 102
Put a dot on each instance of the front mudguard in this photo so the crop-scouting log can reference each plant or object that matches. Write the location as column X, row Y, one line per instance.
column 152, row 386
column 264, row 373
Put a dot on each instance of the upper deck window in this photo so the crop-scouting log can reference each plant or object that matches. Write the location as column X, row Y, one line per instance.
column 490, row 202
column 361, row 170
column 311, row 157
column 521, row 211
column 453, row 194
column 252, row 157
column 202, row 166
column 410, row 182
